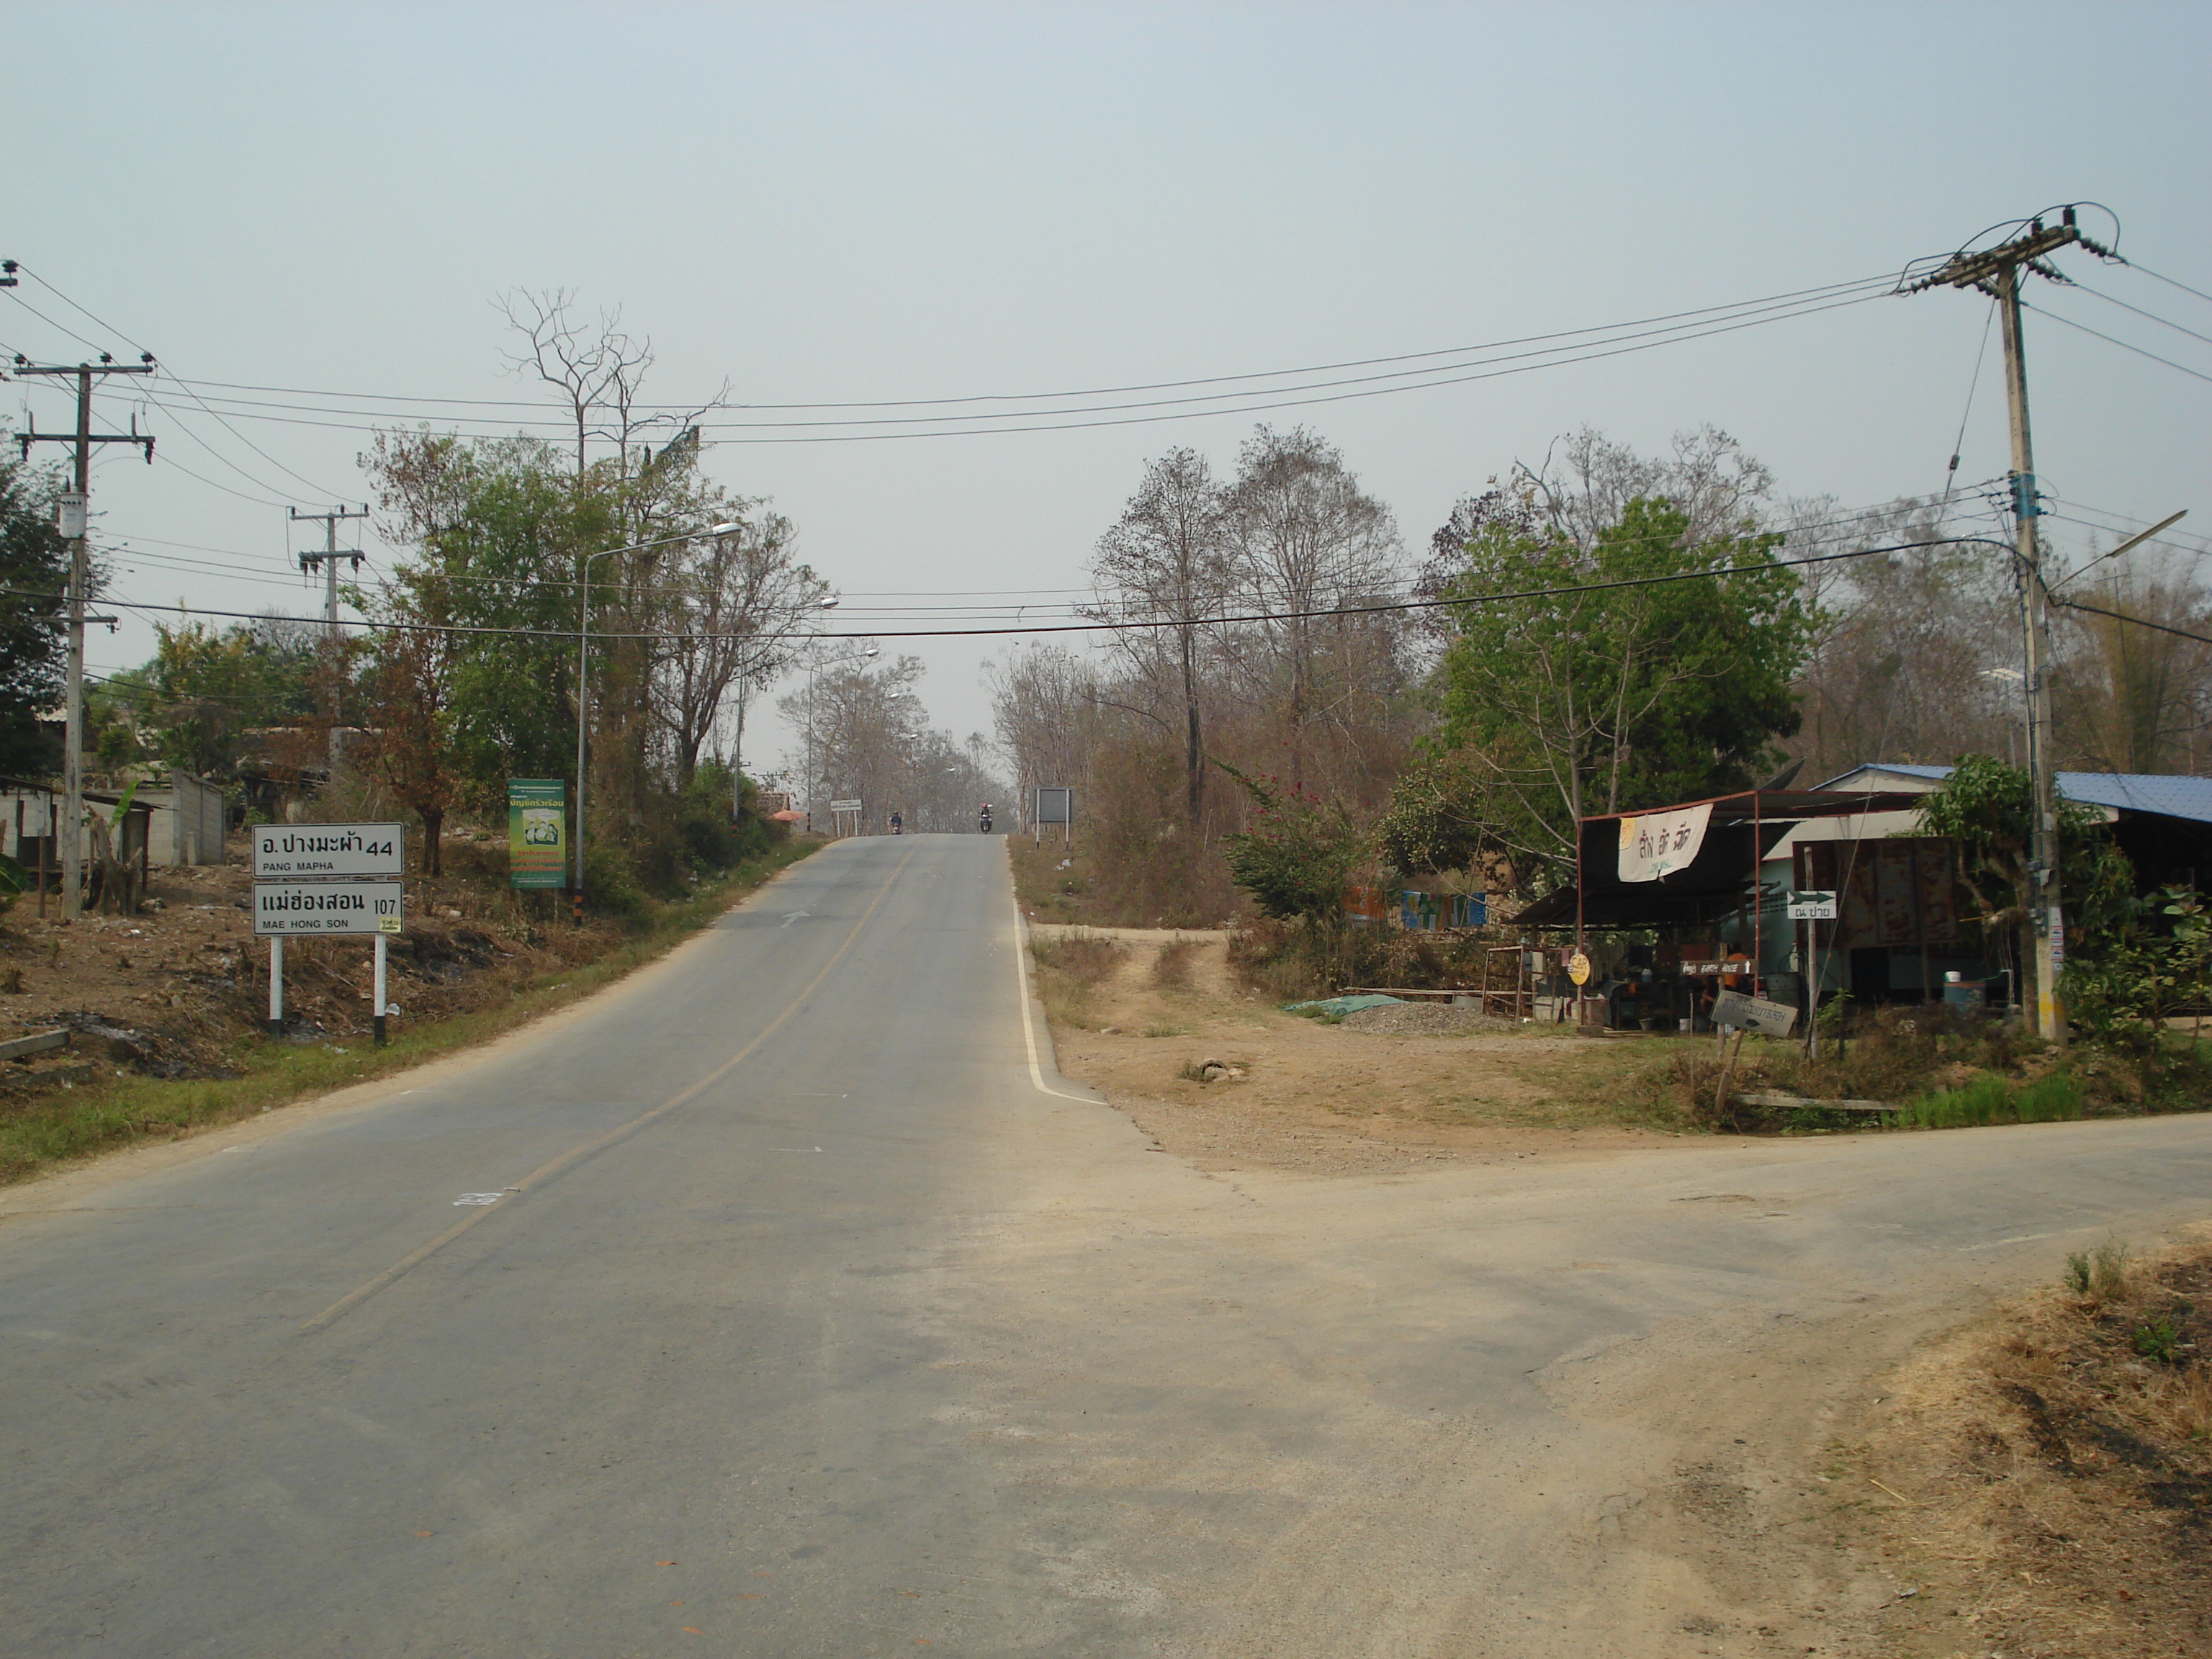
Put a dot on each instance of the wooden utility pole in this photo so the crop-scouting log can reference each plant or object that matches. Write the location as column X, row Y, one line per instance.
column 74, row 515
column 1996, row 272
column 333, row 645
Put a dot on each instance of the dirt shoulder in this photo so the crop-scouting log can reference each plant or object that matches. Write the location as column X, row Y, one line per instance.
column 2043, row 1479
column 1138, row 1012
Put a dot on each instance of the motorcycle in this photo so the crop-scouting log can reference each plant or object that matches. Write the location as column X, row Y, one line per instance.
column 984, row 822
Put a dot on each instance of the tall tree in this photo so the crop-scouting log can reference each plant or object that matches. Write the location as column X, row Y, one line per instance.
column 1166, row 560
column 1308, row 538
column 1592, row 697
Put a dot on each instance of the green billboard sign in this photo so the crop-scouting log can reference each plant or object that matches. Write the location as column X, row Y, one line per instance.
column 538, row 832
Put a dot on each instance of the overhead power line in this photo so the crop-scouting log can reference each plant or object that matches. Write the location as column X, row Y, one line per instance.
column 1824, row 290
column 2084, row 328
column 1129, row 625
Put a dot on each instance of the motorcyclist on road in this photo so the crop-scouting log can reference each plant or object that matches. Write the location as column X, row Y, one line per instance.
column 898, row 824
column 983, row 819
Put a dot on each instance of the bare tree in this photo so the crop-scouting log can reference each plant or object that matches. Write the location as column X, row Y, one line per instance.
column 730, row 607
column 1166, row 559
column 1045, row 709
column 1307, row 539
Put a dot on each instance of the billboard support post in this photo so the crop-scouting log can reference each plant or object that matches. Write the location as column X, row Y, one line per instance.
column 275, row 984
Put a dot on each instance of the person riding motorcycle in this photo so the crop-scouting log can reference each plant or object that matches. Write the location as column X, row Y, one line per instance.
column 898, row 824
column 983, row 819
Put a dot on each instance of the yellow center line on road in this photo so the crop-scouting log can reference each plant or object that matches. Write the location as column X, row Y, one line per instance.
column 553, row 1167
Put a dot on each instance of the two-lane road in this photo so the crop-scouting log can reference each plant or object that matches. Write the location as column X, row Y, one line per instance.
column 767, row 1305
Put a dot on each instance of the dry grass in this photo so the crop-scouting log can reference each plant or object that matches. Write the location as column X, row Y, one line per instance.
column 2049, row 1481
column 1071, row 968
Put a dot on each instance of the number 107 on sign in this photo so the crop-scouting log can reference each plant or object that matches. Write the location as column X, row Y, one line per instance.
column 327, row 908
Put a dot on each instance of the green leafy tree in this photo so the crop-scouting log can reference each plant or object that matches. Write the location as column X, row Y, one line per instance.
column 1296, row 854
column 212, row 690
column 33, row 576
column 1612, row 685
column 1988, row 808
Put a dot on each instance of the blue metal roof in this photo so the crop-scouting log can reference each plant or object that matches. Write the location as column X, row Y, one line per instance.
column 2172, row 795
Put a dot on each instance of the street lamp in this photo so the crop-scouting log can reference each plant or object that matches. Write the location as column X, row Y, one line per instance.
column 584, row 682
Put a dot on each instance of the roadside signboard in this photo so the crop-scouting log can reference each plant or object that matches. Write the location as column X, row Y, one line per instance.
column 1816, row 906
column 1053, row 806
column 538, row 832
column 327, row 908
column 317, row 852
column 1756, row 1014
column 844, row 806
column 1578, row 968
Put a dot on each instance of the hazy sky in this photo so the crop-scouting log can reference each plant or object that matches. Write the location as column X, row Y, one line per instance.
column 848, row 203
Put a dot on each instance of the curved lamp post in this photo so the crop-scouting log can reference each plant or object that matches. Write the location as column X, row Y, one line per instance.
column 584, row 682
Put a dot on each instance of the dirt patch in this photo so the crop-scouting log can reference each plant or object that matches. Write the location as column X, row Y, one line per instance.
column 2045, row 1480
column 1139, row 1013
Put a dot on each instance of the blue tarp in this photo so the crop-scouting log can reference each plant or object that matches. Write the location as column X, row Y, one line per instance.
column 1338, row 1007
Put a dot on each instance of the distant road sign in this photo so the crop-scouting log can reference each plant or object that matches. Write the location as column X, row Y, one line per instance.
column 1812, row 907
column 317, row 852
column 327, row 908
column 1053, row 804
column 844, row 806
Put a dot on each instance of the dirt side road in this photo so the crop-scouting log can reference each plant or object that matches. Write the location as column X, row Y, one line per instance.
column 1592, row 1388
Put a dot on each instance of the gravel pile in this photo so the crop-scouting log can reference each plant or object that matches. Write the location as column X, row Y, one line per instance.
column 1426, row 1020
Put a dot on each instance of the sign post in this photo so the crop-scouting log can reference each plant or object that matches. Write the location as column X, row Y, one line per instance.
column 322, row 880
column 1052, row 805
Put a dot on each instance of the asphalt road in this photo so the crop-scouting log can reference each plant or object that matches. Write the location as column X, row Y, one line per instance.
column 778, row 1303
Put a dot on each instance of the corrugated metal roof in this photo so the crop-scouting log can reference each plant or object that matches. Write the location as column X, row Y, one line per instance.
column 2173, row 795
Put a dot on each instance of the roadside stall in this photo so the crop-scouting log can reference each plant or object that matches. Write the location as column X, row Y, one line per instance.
column 1685, row 877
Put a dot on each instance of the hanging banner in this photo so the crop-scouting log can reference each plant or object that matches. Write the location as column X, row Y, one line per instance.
column 538, row 832
column 1659, row 843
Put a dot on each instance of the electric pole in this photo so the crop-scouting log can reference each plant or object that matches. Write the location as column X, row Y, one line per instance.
column 1995, row 271
column 73, row 518
column 333, row 651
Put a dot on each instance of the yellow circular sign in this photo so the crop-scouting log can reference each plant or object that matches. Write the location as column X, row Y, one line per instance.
column 1578, row 968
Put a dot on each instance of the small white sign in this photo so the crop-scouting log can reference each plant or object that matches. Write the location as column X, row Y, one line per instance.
column 1814, row 906
column 69, row 516
column 844, row 806
column 314, row 851
column 327, row 907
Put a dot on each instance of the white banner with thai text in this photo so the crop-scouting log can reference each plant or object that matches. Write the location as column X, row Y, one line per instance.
column 1659, row 843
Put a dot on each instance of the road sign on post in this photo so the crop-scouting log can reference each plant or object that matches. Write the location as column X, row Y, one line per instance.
column 323, row 881
column 1818, row 906
column 318, row 852
column 324, row 908
column 1052, row 805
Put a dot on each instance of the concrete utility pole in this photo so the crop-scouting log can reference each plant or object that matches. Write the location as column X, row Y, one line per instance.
column 1995, row 271
column 74, row 515
column 328, row 559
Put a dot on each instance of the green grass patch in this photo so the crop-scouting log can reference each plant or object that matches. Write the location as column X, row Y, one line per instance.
column 125, row 1110
column 1989, row 1098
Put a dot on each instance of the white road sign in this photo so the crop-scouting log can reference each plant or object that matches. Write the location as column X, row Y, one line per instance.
column 326, row 909
column 844, row 806
column 315, row 852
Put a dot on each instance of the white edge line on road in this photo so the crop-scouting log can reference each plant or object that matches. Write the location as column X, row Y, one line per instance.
column 1022, row 993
